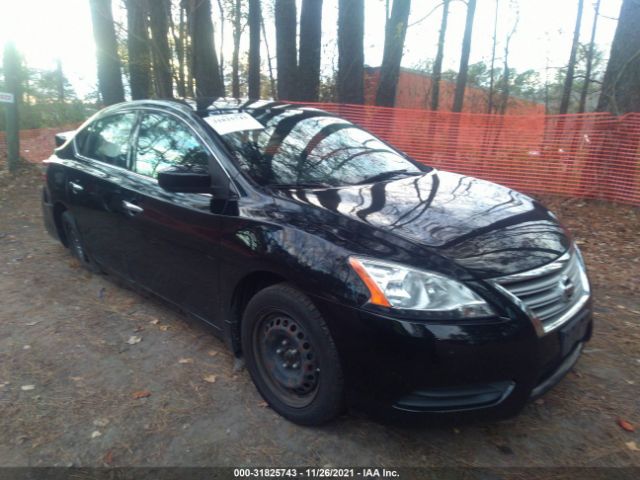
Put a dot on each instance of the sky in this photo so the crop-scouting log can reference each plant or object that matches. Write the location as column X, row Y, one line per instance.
column 45, row 30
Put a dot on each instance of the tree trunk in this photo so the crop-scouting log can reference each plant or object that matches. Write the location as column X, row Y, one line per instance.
column 272, row 80
column 235, row 59
column 351, row 51
column 395, row 32
column 621, row 85
column 206, row 71
column 254, row 49
column 506, row 76
column 159, row 22
column 59, row 80
column 286, row 50
column 310, row 47
column 138, row 49
column 571, row 67
column 109, row 76
column 221, row 66
column 436, row 76
column 179, row 44
column 587, row 74
column 463, row 71
column 493, row 59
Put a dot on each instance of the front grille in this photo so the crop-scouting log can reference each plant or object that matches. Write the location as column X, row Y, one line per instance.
column 551, row 294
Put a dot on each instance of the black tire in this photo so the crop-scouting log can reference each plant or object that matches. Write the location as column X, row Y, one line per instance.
column 74, row 243
column 302, row 380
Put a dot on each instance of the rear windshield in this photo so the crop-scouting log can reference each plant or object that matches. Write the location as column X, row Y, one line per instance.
column 307, row 147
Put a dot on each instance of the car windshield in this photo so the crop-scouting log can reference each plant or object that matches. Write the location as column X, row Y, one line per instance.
column 307, row 148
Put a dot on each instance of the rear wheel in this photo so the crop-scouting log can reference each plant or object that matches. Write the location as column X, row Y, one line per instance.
column 74, row 242
column 291, row 356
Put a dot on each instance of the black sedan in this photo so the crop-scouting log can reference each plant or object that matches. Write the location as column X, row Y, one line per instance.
column 337, row 267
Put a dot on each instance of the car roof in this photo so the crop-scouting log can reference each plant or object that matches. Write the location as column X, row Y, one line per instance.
column 219, row 105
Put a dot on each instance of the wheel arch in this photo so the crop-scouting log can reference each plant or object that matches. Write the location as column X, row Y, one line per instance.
column 243, row 292
column 58, row 209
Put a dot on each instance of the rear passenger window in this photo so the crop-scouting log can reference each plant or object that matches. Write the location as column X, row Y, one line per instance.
column 164, row 141
column 108, row 139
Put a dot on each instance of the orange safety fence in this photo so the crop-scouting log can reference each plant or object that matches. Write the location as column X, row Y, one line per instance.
column 593, row 155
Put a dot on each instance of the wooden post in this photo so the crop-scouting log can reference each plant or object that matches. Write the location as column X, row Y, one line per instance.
column 12, row 66
column 13, row 134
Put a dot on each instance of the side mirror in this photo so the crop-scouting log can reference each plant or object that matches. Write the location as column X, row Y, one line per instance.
column 185, row 180
column 62, row 137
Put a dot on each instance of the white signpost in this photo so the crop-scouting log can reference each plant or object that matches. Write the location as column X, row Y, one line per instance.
column 6, row 97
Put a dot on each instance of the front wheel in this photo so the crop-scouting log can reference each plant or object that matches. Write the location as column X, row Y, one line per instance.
column 291, row 356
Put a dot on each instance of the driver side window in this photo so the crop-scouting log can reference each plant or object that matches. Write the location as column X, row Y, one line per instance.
column 163, row 142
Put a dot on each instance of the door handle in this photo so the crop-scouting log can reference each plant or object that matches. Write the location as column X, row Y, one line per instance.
column 132, row 207
column 76, row 187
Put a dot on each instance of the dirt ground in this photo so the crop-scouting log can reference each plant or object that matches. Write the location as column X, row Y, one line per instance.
column 76, row 349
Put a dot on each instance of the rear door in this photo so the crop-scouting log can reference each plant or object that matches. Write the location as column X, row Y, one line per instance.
column 103, row 153
column 171, row 238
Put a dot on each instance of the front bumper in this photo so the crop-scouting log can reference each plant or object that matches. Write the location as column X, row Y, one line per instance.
column 492, row 369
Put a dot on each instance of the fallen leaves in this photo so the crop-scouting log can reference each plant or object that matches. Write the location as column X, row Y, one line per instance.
column 101, row 422
column 108, row 458
column 212, row 353
column 632, row 446
column 210, row 378
column 141, row 394
column 95, row 434
column 164, row 328
column 134, row 339
column 185, row 360
column 27, row 387
column 626, row 425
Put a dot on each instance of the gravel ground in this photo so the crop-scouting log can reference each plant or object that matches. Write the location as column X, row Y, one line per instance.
column 76, row 350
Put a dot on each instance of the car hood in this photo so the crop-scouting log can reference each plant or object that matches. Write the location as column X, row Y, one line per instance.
column 488, row 229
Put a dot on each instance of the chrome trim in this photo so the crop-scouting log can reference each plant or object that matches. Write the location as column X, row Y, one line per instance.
column 564, row 262
column 136, row 109
column 557, row 264
column 76, row 187
column 132, row 207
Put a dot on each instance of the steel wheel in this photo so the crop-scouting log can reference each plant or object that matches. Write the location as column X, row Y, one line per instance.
column 285, row 357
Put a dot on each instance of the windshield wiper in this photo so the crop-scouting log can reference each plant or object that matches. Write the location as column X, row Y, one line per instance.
column 387, row 176
column 298, row 185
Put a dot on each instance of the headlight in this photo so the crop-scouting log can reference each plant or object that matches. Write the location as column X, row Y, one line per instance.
column 397, row 286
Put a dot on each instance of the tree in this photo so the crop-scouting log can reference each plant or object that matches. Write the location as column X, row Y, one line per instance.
column 493, row 58
column 254, row 48
column 286, row 34
column 159, row 22
column 104, row 34
column 60, row 81
column 138, row 49
column 461, row 80
column 235, row 59
column 350, row 83
column 205, row 61
column 436, row 76
column 621, row 85
column 506, row 75
column 568, row 79
column 590, row 54
column 395, row 32
column 310, row 47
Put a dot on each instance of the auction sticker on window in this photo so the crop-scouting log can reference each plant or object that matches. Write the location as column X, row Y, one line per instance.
column 233, row 122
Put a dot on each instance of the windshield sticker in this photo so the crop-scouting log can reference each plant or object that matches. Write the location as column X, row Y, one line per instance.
column 233, row 122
